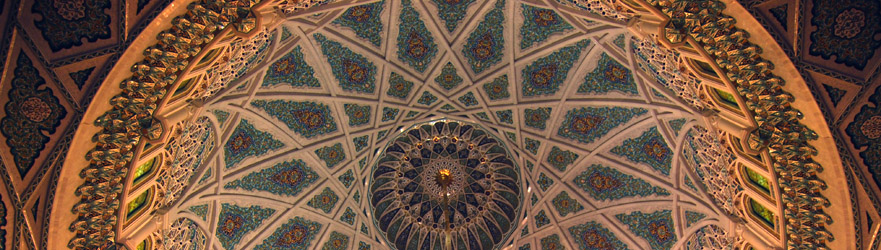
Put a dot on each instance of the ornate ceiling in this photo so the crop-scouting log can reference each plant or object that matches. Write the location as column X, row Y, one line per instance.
column 554, row 136
column 834, row 46
column 290, row 138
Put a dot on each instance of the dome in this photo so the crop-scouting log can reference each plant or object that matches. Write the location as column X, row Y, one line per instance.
column 469, row 125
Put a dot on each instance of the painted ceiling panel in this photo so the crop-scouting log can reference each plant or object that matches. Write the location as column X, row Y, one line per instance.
column 404, row 124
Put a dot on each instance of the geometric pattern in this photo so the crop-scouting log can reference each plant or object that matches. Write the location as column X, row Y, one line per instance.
column 448, row 79
column 247, row 141
column 552, row 138
column 353, row 71
column 32, row 110
column 589, row 123
column 497, row 89
column 235, row 221
column 566, row 205
column 692, row 217
column 560, row 159
column 297, row 233
column 656, row 228
column 337, row 241
column 648, row 148
column 331, row 155
column 66, row 26
column 552, row 243
column 539, row 24
column 291, row 69
column 365, row 21
column 593, row 236
column 308, row 119
column 604, row 183
column 545, row 75
column 452, row 12
column 358, row 115
column 325, row 201
column 287, row 178
column 416, row 45
column 537, row 118
column 609, row 75
column 846, row 30
column 486, row 44
column 399, row 87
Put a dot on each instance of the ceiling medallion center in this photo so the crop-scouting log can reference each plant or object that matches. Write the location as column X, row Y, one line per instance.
column 445, row 181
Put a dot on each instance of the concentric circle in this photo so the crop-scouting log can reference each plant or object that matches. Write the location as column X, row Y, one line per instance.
column 445, row 182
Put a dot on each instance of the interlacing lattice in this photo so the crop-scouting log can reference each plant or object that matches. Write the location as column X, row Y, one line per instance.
column 184, row 234
column 662, row 63
column 709, row 237
column 294, row 6
column 187, row 150
column 711, row 161
column 242, row 54
column 597, row 7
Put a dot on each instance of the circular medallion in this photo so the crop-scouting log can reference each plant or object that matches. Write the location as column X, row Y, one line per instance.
column 445, row 183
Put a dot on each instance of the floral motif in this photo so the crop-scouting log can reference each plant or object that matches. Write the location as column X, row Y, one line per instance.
column 648, row 148
column 358, row 114
column 398, row 87
column 247, row 141
column 452, row 12
column 593, row 236
column 545, row 75
column 348, row 216
column 604, row 183
column 539, row 24
column 586, row 124
column 416, row 45
column 692, row 217
column 676, row 124
column 566, row 205
column 31, row 113
column 309, row 119
column 544, row 182
column 656, row 228
column 486, row 44
column 506, row 116
column 531, row 145
column 347, row 178
column 468, row 99
column 497, row 89
column 552, row 242
column 865, row 132
column 427, row 99
column 331, row 155
column 560, row 159
column 845, row 31
column 325, row 201
column 365, row 21
column 609, row 75
column 541, row 219
column 537, row 118
column 448, row 78
column 297, row 233
column 200, row 210
column 360, row 142
column 287, row 178
column 353, row 71
column 389, row 114
column 66, row 23
column 291, row 69
column 337, row 241
column 235, row 221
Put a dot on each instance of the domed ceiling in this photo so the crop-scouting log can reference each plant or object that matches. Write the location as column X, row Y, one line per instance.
column 425, row 124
